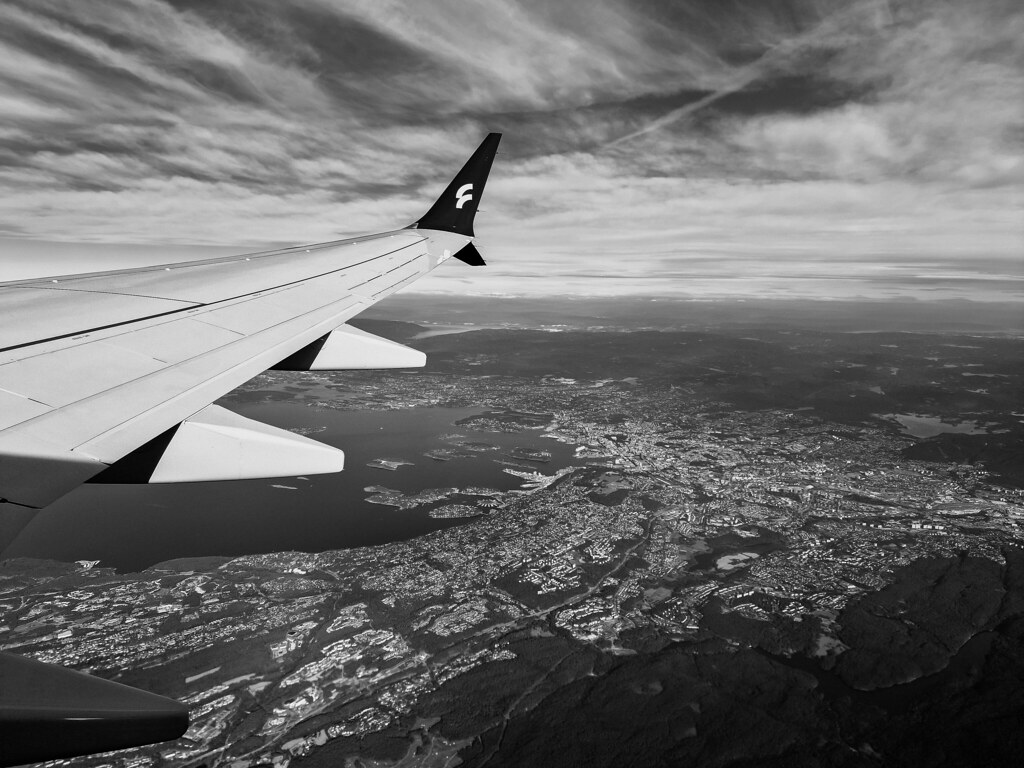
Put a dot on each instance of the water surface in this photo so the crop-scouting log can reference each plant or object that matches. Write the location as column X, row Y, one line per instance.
column 916, row 425
column 133, row 526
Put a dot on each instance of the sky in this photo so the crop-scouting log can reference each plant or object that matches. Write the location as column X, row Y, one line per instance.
column 807, row 148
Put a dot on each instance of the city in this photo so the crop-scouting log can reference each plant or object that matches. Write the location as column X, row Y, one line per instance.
column 757, row 529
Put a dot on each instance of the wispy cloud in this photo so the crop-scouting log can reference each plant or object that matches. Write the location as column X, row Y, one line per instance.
column 784, row 52
column 647, row 144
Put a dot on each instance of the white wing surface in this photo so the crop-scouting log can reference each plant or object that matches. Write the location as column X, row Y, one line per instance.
column 108, row 376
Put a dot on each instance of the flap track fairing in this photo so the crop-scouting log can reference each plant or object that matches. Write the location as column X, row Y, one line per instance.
column 218, row 444
column 349, row 349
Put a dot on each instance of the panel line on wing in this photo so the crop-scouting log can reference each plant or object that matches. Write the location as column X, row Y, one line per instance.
column 383, row 274
column 71, row 289
column 199, row 306
column 97, row 328
column 105, row 444
column 345, row 301
column 394, row 285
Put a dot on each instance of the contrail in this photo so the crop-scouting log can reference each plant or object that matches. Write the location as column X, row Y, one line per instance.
column 752, row 71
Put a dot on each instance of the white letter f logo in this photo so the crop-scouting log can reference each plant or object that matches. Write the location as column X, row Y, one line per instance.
column 464, row 194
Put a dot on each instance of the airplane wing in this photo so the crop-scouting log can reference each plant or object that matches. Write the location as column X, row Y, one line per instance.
column 110, row 376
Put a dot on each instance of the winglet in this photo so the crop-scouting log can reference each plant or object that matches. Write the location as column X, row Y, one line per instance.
column 469, row 254
column 455, row 209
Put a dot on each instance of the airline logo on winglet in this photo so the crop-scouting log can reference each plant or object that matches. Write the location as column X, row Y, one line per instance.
column 463, row 195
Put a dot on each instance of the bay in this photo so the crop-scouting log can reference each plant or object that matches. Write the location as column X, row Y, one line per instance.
column 130, row 527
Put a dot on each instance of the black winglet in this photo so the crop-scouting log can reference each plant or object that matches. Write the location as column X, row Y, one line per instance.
column 455, row 209
column 469, row 254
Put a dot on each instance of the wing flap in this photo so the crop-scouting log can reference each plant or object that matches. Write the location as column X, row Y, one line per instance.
column 110, row 424
column 175, row 342
column 15, row 409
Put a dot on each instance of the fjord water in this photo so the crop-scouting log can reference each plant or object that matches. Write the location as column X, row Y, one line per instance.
column 131, row 527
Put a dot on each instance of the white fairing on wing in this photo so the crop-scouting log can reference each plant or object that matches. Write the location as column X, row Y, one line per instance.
column 217, row 444
column 349, row 348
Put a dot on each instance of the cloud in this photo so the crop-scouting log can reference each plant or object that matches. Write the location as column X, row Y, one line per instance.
column 949, row 111
column 787, row 141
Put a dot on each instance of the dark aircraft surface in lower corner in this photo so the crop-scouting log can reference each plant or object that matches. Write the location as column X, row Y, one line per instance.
column 48, row 712
column 109, row 377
